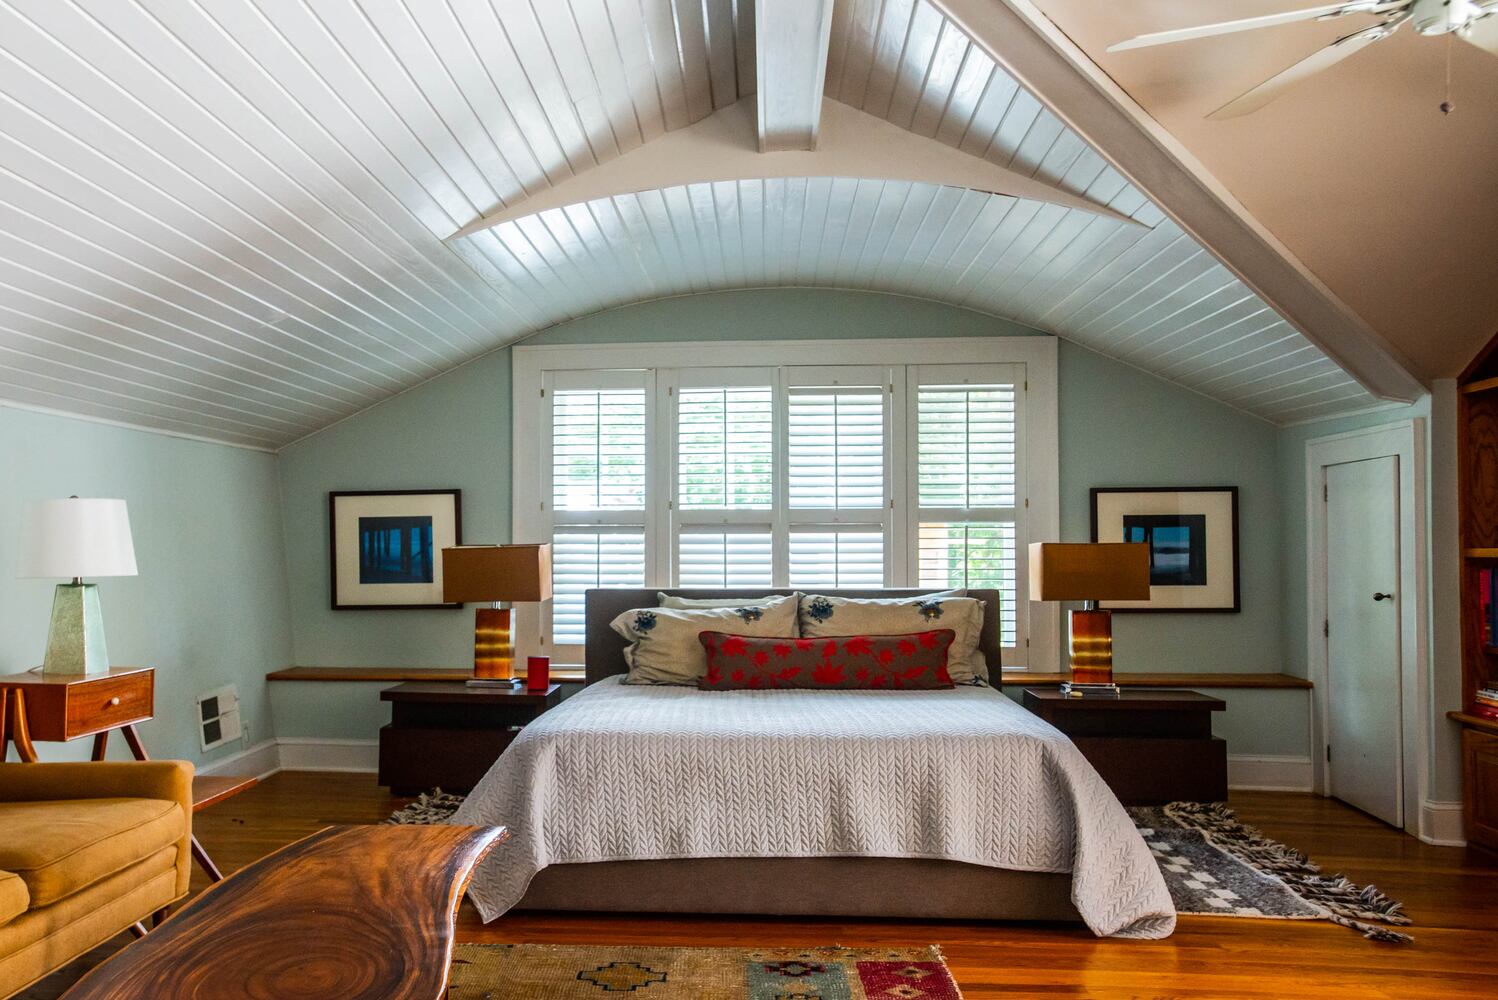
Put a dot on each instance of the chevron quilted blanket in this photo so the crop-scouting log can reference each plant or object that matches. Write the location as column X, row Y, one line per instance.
column 620, row 772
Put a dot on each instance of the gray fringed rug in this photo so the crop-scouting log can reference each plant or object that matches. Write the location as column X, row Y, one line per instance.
column 1213, row 864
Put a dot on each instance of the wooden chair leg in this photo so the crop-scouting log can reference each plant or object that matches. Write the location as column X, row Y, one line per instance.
column 101, row 744
column 139, row 929
column 4, row 724
column 201, row 856
column 160, row 915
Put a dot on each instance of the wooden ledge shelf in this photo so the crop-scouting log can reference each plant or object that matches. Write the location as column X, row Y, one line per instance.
column 1024, row 678
column 390, row 675
column 1012, row 678
column 1475, row 722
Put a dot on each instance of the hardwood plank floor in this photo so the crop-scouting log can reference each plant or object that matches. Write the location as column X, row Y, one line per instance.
column 1452, row 894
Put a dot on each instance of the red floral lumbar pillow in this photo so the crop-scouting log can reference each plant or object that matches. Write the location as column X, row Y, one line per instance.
column 876, row 662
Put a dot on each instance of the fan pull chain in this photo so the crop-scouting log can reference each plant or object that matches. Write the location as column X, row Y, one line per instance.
column 1448, row 105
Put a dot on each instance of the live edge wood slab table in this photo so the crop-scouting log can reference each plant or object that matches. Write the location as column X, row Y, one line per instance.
column 351, row 912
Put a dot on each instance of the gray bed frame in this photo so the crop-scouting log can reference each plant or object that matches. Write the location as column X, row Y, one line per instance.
column 833, row 887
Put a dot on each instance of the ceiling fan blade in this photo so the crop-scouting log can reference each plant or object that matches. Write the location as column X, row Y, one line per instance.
column 1484, row 34
column 1312, row 64
column 1265, row 21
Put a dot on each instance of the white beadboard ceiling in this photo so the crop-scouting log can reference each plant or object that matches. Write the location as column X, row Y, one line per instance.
column 231, row 218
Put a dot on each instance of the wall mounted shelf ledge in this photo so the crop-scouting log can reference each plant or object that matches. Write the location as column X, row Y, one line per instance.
column 1012, row 678
column 1475, row 722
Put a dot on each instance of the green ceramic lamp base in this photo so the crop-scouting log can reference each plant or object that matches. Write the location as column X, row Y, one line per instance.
column 75, row 640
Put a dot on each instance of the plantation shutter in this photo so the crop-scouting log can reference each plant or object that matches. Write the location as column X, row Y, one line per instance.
column 599, row 460
column 966, row 490
column 837, row 479
column 724, row 478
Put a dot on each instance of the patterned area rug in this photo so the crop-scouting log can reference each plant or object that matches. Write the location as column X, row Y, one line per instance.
column 1213, row 864
column 592, row 972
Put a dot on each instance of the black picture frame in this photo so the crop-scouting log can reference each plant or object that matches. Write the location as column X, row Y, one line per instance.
column 455, row 496
column 1231, row 492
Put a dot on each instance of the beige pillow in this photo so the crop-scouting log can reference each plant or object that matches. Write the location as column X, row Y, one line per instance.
column 663, row 641
column 821, row 615
column 672, row 601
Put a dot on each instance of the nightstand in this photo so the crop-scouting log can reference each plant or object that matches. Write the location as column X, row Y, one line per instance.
column 1150, row 746
column 444, row 734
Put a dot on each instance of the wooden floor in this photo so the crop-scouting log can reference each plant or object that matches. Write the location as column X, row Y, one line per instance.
column 1452, row 894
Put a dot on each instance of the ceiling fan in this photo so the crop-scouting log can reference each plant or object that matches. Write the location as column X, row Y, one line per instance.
column 1460, row 18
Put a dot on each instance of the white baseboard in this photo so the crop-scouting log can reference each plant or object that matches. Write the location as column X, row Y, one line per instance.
column 1442, row 824
column 1247, row 772
column 261, row 760
column 302, row 753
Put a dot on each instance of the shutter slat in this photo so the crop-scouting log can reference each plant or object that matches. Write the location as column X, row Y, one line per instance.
column 725, row 445
column 716, row 558
column 584, row 558
column 836, row 447
column 598, row 451
column 836, row 558
column 972, row 554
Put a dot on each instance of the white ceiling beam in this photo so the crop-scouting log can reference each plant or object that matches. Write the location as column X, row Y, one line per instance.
column 724, row 147
column 790, row 52
column 1018, row 36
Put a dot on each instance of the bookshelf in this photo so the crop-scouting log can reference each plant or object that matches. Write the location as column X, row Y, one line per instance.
column 1477, row 449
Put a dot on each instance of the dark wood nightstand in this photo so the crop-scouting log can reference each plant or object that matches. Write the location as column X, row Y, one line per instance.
column 444, row 734
column 1150, row 746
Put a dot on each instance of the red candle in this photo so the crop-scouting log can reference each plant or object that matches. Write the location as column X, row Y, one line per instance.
column 537, row 673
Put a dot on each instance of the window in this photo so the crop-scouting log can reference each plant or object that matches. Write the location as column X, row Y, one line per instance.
column 662, row 472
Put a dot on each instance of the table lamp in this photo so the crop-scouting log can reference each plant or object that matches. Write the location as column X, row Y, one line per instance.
column 1090, row 572
column 490, row 574
column 73, row 539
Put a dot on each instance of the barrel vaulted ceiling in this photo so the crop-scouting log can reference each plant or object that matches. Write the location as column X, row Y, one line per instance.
column 235, row 218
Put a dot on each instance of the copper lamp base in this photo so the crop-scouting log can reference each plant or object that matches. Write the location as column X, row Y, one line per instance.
column 493, row 655
column 1091, row 635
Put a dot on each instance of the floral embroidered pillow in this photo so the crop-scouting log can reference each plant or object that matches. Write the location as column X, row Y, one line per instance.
column 663, row 641
column 822, row 615
column 915, row 662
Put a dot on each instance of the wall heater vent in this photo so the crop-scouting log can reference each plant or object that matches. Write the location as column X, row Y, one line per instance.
column 218, row 717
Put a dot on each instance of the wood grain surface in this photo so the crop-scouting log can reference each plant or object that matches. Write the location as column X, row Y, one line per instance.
column 352, row 912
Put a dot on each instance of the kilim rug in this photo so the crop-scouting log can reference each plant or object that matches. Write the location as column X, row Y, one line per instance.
column 1213, row 864
column 593, row 972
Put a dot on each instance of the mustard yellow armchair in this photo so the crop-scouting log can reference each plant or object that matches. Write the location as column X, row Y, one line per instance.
column 86, row 850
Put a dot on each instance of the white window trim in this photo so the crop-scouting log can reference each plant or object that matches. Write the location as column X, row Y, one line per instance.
column 534, row 367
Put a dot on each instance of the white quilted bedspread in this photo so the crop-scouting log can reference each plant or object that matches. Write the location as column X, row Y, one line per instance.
column 621, row 772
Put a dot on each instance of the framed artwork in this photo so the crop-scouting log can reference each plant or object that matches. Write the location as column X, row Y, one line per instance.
column 386, row 547
column 1192, row 532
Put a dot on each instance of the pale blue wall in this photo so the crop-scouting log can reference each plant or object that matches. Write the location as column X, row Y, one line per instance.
column 209, row 606
column 1118, row 427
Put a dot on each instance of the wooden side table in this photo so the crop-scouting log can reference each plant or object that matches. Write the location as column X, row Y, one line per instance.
column 444, row 734
column 1150, row 746
column 55, row 708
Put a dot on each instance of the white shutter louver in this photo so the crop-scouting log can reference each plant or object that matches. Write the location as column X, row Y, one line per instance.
column 836, row 447
column 972, row 555
column 966, row 453
column 741, row 557
column 598, row 449
column 837, row 558
column 725, row 448
column 587, row 557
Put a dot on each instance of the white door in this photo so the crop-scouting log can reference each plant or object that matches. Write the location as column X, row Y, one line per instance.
column 1364, row 722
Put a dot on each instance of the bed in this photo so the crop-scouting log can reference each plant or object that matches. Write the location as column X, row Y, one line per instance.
column 953, row 804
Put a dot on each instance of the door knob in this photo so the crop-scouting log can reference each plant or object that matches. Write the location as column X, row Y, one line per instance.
column 1383, row 597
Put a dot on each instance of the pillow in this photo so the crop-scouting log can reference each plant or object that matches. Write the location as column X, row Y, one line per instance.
column 672, row 601
column 663, row 641
column 821, row 615
column 868, row 662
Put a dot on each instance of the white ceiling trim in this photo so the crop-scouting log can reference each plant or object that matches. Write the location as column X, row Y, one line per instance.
column 1020, row 37
column 853, row 144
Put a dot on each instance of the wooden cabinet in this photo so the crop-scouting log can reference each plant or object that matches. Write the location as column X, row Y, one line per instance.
column 1480, row 786
column 444, row 734
column 1151, row 747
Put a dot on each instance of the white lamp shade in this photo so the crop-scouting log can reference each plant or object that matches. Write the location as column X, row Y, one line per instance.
column 76, row 538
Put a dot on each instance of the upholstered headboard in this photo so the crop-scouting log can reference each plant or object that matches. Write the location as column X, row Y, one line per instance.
column 605, row 647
